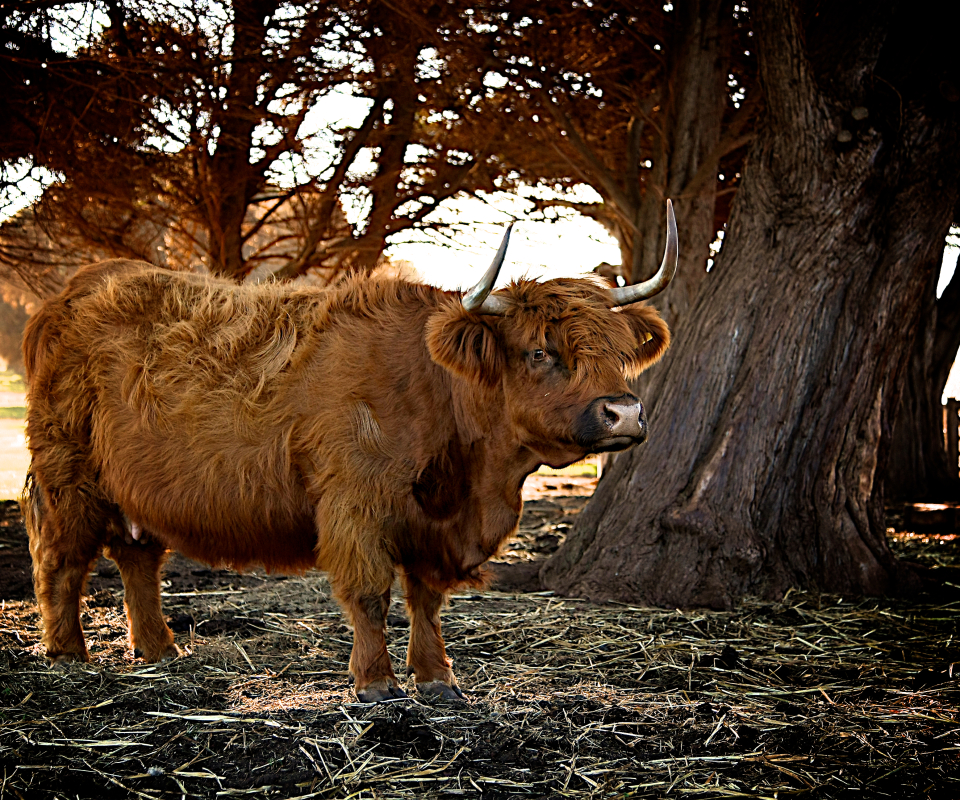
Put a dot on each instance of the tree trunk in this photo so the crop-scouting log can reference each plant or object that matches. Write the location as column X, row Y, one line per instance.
column 398, row 66
column 773, row 415
column 918, row 467
column 695, row 100
column 231, row 181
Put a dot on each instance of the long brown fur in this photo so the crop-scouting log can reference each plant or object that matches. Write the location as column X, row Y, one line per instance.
column 368, row 429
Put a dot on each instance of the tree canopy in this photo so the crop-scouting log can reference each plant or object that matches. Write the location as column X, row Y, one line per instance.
column 191, row 135
column 182, row 134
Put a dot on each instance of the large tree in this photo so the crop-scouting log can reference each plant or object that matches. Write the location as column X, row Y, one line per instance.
column 772, row 419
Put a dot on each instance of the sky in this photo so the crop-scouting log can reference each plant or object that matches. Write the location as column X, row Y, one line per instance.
column 568, row 247
column 572, row 246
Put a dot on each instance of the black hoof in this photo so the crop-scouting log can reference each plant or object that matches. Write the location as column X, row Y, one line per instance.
column 438, row 690
column 377, row 694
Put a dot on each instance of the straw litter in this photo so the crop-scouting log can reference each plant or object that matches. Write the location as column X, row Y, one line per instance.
column 815, row 696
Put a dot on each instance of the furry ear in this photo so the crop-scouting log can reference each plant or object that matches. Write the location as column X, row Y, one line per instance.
column 653, row 336
column 465, row 345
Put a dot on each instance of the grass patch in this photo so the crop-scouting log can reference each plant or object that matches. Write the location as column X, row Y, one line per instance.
column 11, row 382
column 13, row 412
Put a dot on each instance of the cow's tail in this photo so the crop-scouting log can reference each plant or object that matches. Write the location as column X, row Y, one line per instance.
column 38, row 339
column 33, row 508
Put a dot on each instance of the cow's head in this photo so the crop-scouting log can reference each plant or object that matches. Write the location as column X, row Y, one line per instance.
column 563, row 351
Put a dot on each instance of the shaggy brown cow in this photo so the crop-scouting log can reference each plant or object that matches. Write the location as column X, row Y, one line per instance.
column 373, row 428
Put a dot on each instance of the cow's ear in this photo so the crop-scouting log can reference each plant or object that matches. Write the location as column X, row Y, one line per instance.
column 653, row 336
column 466, row 345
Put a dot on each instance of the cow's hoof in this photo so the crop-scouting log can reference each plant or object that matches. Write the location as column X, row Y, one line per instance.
column 169, row 653
column 379, row 691
column 438, row 690
column 65, row 661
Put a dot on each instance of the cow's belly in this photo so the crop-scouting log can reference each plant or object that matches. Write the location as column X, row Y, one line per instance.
column 220, row 501
column 239, row 540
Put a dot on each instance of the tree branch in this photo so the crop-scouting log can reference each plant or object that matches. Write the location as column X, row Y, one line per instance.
column 598, row 174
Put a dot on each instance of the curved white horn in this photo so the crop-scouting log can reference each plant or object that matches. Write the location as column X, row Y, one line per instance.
column 479, row 299
column 624, row 295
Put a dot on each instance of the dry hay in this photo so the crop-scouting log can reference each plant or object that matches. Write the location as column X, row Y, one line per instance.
column 815, row 696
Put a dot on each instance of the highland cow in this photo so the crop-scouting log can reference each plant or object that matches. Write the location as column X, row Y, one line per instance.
column 375, row 428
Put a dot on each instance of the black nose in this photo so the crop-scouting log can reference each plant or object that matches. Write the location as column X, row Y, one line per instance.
column 613, row 423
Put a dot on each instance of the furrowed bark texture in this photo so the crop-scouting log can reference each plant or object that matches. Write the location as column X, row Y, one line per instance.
column 775, row 409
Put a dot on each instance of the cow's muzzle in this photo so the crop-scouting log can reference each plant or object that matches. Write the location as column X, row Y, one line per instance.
column 612, row 423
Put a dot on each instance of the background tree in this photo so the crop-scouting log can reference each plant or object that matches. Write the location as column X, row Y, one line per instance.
column 208, row 141
column 638, row 101
column 206, row 109
column 918, row 467
column 772, row 420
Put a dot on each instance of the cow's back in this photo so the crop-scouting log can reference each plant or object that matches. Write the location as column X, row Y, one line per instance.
column 170, row 388
column 237, row 422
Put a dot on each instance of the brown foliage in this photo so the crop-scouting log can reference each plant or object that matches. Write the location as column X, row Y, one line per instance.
column 636, row 102
column 639, row 101
column 196, row 135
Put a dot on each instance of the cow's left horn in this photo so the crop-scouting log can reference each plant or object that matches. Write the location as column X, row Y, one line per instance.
column 624, row 295
column 479, row 299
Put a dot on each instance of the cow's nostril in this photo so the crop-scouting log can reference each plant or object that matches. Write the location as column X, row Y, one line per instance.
column 622, row 417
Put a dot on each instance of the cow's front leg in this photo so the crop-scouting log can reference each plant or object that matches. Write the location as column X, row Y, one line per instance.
column 426, row 654
column 373, row 675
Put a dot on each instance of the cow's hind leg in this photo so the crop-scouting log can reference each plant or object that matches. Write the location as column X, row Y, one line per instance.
column 426, row 653
column 373, row 675
column 64, row 545
column 140, row 564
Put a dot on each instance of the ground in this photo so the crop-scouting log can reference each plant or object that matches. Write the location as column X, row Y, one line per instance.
column 815, row 695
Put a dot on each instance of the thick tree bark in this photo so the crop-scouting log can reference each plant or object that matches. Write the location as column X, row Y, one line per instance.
column 774, row 413
column 918, row 467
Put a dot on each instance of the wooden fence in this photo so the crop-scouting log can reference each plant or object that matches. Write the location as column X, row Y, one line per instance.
column 951, row 429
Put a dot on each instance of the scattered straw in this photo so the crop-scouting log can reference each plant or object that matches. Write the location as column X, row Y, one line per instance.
column 818, row 696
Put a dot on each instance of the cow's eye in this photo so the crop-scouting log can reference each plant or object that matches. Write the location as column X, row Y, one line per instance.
column 539, row 355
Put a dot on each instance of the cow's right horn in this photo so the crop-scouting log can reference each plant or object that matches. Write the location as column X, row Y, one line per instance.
column 623, row 295
column 479, row 299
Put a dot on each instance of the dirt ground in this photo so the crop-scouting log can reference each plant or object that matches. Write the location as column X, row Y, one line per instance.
column 816, row 696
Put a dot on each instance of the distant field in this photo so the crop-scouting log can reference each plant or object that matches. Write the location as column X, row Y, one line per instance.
column 14, row 459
